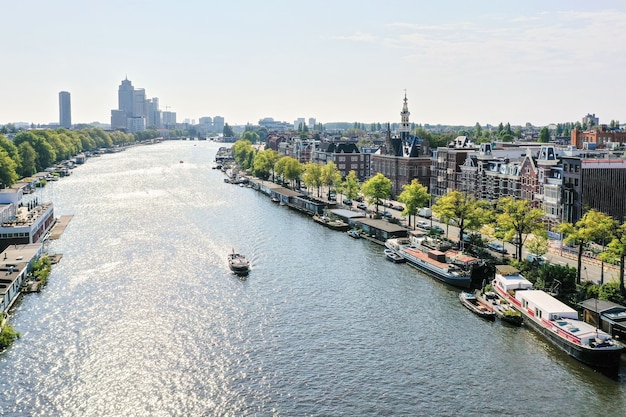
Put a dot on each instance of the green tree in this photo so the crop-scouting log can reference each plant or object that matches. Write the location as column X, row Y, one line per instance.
column 544, row 135
column 8, row 175
column 293, row 169
column 228, row 131
column 478, row 131
column 537, row 244
column 351, row 185
column 414, row 196
column 518, row 219
column 261, row 165
column 592, row 226
column 464, row 210
column 250, row 136
column 28, row 156
column 312, row 176
column 242, row 150
column 330, row 176
column 376, row 189
column 615, row 252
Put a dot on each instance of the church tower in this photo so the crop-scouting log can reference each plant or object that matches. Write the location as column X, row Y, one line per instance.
column 405, row 126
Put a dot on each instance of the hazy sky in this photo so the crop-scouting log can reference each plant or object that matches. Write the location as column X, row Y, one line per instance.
column 460, row 62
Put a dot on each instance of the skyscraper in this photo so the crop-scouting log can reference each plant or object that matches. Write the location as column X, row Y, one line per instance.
column 65, row 110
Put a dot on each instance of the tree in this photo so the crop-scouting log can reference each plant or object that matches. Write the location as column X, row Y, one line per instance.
column 351, row 186
column 293, row 169
column 330, row 176
column 544, row 135
column 242, row 150
column 537, row 244
column 593, row 225
column 250, row 136
column 414, row 196
column 261, row 165
column 463, row 209
column 616, row 252
column 228, row 131
column 28, row 156
column 376, row 189
column 518, row 219
column 312, row 176
column 8, row 175
column 478, row 131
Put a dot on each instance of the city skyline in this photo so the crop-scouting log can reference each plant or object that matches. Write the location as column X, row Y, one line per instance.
column 346, row 61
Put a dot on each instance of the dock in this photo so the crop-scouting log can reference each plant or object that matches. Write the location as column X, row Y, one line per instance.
column 60, row 225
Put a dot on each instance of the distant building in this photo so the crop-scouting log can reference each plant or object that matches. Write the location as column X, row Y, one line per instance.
column 274, row 125
column 218, row 124
column 298, row 123
column 65, row 110
column 598, row 137
column 153, row 114
column 312, row 122
column 591, row 120
column 169, row 119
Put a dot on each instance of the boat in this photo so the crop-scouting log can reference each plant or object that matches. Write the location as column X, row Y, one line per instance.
column 330, row 223
column 557, row 322
column 393, row 256
column 354, row 233
column 501, row 307
column 238, row 263
column 476, row 306
column 452, row 267
column 396, row 244
column 275, row 200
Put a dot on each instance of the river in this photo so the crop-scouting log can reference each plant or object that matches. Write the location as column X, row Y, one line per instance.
column 142, row 316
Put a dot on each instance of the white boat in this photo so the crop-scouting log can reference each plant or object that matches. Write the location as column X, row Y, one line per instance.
column 477, row 306
column 393, row 256
column 557, row 322
column 238, row 263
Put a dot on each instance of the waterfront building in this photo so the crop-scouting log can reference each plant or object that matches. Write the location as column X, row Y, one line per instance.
column 402, row 157
column 274, row 125
column 153, row 113
column 594, row 180
column 16, row 262
column 345, row 155
column 65, row 110
column 22, row 224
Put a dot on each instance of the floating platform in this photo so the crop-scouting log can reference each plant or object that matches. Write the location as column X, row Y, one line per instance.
column 60, row 225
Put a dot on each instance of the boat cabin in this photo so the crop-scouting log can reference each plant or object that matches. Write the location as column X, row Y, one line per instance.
column 508, row 280
column 607, row 315
column 542, row 305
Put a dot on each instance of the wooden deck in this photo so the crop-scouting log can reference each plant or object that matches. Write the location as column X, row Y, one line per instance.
column 60, row 225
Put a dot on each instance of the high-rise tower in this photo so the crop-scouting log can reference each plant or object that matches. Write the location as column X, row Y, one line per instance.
column 125, row 97
column 65, row 110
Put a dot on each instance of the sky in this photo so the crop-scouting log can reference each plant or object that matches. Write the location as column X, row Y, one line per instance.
column 458, row 62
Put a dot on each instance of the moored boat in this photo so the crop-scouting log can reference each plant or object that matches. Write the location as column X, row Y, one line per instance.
column 501, row 307
column 393, row 256
column 557, row 322
column 330, row 223
column 435, row 263
column 238, row 263
column 476, row 306
column 354, row 233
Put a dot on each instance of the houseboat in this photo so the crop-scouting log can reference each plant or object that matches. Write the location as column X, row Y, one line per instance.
column 557, row 322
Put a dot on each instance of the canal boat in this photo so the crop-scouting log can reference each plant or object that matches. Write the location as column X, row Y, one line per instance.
column 557, row 322
column 476, row 306
column 392, row 256
column 457, row 272
column 238, row 264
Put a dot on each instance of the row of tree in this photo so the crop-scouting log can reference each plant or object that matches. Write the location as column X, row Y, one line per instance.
column 32, row 151
column 507, row 219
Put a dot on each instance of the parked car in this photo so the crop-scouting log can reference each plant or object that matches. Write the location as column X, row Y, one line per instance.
column 362, row 206
column 438, row 229
column 423, row 224
column 347, row 202
column 497, row 247
column 359, row 199
column 398, row 207
column 425, row 212
column 535, row 258
column 387, row 214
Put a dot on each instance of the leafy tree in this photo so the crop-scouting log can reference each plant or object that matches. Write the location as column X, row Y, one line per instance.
column 616, row 252
column 376, row 189
column 537, row 244
column 518, row 219
column 250, row 136
column 28, row 156
column 8, row 175
column 351, row 185
column 228, row 131
column 592, row 226
column 478, row 130
column 293, row 169
column 261, row 166
column 463, row 209
column 312, row 176
column 46, row 156
column 330, row 176
column 414, row 196
column 242, row 149
column 544, row 135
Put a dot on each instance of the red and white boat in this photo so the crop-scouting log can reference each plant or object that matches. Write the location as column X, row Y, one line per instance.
column 556, row 321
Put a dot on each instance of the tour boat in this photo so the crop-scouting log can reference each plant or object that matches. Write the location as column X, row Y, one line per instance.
column 238, row 263
column 557, row 322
